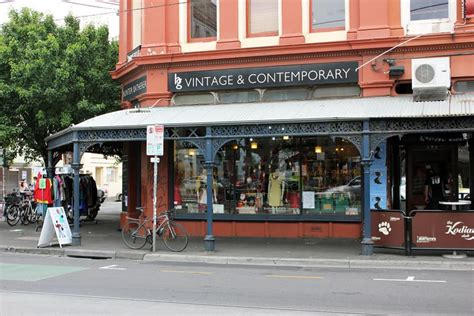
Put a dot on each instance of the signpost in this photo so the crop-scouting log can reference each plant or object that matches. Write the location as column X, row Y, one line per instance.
column 154, row 147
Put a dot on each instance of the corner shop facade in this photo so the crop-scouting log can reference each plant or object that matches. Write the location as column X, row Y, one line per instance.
column 219, row 158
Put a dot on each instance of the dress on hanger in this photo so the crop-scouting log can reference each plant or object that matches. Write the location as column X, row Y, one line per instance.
column 275, row 190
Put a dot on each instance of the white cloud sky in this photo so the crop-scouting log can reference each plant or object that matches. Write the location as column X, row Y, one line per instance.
column 96, row 12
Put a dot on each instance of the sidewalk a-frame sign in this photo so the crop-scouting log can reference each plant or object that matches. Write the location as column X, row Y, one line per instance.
column 55, row 222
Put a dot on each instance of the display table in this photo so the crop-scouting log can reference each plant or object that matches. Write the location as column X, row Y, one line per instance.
column 459, row 205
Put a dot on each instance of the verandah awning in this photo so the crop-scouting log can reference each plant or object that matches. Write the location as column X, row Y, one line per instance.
column 283, row 112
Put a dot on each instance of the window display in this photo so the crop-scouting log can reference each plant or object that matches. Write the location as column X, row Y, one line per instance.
column 272, row 176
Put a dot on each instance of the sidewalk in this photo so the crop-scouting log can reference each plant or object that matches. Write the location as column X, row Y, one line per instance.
column 103, row 240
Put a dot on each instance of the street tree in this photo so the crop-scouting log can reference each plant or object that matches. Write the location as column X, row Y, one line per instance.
column 51, row 76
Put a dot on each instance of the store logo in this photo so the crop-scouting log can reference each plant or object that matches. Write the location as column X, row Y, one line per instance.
column 178, row 81
column 384, row 228
column 425, row 239
column 459, row 228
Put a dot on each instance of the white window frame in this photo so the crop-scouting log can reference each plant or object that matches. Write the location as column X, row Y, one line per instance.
column 428, row 26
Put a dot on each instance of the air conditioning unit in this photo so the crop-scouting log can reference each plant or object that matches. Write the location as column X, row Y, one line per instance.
column 431, row 78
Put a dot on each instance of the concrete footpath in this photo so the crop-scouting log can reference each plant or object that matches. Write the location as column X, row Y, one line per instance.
column 102, row 239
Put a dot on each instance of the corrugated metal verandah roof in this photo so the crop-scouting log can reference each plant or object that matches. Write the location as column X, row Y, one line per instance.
column 279, row 112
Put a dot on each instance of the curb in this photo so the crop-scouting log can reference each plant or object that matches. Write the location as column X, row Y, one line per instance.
column 209, row 258
column 312, row 263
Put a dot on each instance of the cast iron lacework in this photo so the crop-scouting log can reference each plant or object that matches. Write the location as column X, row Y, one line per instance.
column 288, row 129
column 454, row 124
column 218, row 143
column 113, row 135
column 181, row 132
column 356, row 140
column 195, row 143
column 83, row 147
column 107, row 149
column 376, row 139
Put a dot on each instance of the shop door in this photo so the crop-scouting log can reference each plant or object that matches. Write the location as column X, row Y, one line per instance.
column 419, row 161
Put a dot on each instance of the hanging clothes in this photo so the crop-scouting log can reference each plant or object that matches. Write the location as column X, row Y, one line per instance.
column 43, row 193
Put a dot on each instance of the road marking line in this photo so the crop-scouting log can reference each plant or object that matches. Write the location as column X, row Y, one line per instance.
column 186, row 272
column 293, row 276
column 112, row 267
column 411, row 279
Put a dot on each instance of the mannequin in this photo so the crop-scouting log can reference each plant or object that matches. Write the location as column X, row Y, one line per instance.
column 276, row 189
column 201, row 189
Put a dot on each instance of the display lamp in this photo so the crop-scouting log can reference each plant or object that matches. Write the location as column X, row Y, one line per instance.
column 253, row 145
column 318, row 149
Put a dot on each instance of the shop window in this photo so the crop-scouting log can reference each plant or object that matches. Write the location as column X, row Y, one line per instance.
column 272, row 176
column 464, row 86
column 239, row 96
column 262, row 17
column 203, row 19
column 193, row 99
column 188, row 177
column 342, row 91
column 286, row 94
column 331, row 177
column 328, row 14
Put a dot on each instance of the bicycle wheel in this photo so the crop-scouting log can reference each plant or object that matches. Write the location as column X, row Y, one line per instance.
column 175, row 237
column 32, row 215
column 134, row 235
column 13, row 214
column 24, row 215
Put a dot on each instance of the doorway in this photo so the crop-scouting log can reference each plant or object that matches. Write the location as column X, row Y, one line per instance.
column 420, row 160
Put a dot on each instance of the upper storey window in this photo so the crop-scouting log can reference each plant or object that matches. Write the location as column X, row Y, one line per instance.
column 429, row 9
column 203, row 15
column 327, row 15
column 262, row 17
column 428, row 16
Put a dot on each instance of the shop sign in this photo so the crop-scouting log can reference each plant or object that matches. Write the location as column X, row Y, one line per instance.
column 55, row 222
column 388, row 229
column 443, row 230
column 267, row 77
column 134, row 88
column 435, row 139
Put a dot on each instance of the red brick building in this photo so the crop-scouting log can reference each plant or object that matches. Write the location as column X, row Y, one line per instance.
column 294, row 118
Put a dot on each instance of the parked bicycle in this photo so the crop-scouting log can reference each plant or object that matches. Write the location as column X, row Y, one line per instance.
column 138, row 231
column 20, row 208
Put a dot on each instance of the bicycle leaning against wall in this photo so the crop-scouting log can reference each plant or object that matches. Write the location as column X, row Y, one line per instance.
column 138, row 231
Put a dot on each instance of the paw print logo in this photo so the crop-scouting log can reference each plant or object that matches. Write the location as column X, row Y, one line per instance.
column 385, row 228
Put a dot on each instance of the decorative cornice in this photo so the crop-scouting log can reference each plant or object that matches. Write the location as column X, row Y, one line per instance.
column 352, row 49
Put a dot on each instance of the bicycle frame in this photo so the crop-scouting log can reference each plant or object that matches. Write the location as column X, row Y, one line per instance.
column 162, row 219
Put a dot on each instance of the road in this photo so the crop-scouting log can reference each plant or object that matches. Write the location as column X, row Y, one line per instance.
column 47, row 285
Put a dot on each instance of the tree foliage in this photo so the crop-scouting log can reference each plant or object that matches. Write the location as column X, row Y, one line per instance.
column 51, row 76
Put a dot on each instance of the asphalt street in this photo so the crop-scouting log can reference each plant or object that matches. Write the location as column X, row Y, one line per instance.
column 48, row 285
